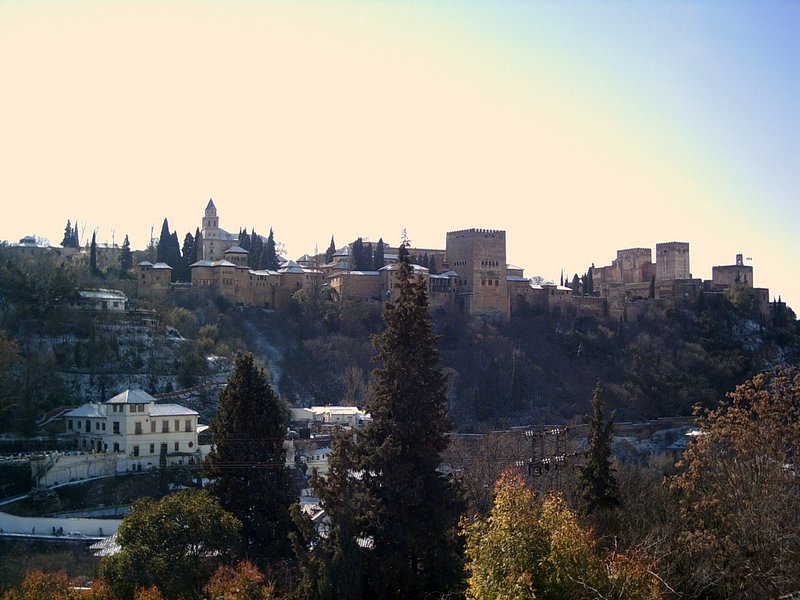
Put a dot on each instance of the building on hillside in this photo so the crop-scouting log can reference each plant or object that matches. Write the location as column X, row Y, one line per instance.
column 153, row 279
column 114, row 301
column 134, row 425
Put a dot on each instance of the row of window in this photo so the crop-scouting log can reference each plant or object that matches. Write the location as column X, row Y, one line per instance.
column 101, row 426
column 135, row 449
column 490, row 282
column 134, row 408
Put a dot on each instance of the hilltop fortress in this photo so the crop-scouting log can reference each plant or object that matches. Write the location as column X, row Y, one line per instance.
column 473, row 275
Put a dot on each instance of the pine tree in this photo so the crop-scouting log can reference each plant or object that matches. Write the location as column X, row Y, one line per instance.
column 247, row 463
column 93, row 255
column 330, row 252
column 125, row 257
column 596, row 481
column 413, row 510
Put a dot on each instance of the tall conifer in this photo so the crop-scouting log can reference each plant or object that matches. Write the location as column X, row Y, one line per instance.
column 596, row 481
column 247, row 464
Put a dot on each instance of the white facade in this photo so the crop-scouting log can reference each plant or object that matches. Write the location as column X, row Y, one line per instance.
column 134, row 425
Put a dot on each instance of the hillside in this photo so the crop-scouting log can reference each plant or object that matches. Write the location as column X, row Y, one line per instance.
column 536, row 368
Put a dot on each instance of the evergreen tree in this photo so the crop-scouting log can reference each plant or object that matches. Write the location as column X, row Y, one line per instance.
column 356, row 256
column 93, row 255
column 256, row 249
column 126, row 257
column 198, row 246
column 69, row 239
column 187, row 252
column 76, row 240
column 432, row 268
column 174, row 257
column 379, row 259
column 369, row 258
column 269, row 259
column 247, row 463
column 244, row 239
column 596, row 481
column 409, row 509
column 652, row 292
column 590, row 280
column 330, row 252
column 576, row 285
column 163, row 242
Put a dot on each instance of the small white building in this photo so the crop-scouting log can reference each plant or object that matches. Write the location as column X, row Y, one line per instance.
column 99, row 301
column 134, row 425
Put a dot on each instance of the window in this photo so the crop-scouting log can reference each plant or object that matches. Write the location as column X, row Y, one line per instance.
column 153, row 426
column 69, row 424
column 138, row 428
column 191, row 444
column 188, row 425
column 164, row 426
column 177, row 446
column 163, row 448
column 116, row 446
column 104, row 426
column 136, row 450
column 116, row 428
column 97, row 425
column 152, row 448
column 177, row 424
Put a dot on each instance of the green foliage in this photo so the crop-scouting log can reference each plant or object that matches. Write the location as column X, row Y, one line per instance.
column 738, row 494
column 176, row 543
column 596, row 481
column 247, row 464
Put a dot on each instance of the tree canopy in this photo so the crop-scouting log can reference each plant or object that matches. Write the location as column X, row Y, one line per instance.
column 176, row 543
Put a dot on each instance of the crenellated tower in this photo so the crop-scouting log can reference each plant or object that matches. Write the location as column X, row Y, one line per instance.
column 479, row 258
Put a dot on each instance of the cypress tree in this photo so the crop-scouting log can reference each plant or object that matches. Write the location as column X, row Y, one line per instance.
column 198, row 246
column 256, row 249
column 330, row 252
column 247, row 464
column 369, row 258
column 187, row 252
column 269, row 259
column 412, row 510
column 379, row 259
column 163, row 242
column 93, row 255
column 596, row 481
column 68, row 240
column 125, row 257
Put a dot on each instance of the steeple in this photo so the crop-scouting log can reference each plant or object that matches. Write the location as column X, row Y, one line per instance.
column 211, row 210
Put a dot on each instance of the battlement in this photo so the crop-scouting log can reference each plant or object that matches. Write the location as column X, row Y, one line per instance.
column 474, row 232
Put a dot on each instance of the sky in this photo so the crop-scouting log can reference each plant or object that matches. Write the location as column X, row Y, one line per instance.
column 579, row 128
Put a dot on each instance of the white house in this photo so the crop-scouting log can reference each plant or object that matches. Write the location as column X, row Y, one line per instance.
column 134, row 425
